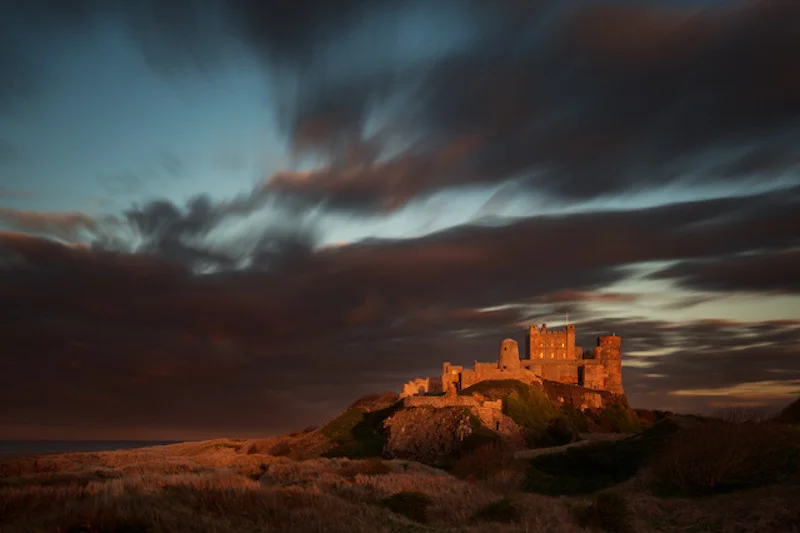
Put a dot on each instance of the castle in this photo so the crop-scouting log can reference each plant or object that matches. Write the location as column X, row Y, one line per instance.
column 550, row 356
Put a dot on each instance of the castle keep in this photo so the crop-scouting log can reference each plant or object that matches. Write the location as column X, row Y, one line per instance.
column 549, row 356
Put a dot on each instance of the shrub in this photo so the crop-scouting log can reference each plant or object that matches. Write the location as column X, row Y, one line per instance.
column 575, row 416
column 608, row 512
column 480, row 462
column 369, row 467
column 718, row 456
column 561, row 431
column 620, row 419
column 412, row 504
column 500, row 511
column 281, row 449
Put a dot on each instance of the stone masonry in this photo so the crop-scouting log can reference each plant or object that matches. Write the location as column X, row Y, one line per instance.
column 550, row 356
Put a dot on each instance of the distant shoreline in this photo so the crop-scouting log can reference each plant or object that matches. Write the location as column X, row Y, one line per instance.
column 51, row 447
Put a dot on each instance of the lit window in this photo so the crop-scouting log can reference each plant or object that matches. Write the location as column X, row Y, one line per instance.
column 541, row 355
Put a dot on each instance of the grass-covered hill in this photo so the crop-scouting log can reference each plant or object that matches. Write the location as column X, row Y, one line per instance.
column 361, row 430
column 681, row 474
column 790, row 414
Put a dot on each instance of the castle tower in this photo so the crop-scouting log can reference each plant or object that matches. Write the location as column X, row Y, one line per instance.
column 609, row 351
column 534, row 342
column 569, row 351
column 509, row 356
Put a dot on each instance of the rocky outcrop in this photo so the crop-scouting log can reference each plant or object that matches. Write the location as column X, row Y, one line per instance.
column 426, row 434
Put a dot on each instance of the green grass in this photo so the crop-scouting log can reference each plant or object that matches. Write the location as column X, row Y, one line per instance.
column 358, row 434
column 619, row 418
column 527, row 405
column 530, row 408
column 495, row 390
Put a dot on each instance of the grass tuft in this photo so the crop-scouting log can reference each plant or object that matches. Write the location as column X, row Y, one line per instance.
column 607, row 512
column 411, row 504
column 503, row 510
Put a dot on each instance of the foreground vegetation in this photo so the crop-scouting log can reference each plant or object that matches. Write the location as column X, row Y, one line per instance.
column 679, row 475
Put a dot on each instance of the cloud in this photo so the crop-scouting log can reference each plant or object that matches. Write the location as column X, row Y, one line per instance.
column 330, row 324
column 580, row 102
column 273, row 240
column 576, row 100
column 71, row 226
column 775, row 272
column 123, row 183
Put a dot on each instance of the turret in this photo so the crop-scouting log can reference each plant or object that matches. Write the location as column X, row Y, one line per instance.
column 609, row 351
column 508, row 358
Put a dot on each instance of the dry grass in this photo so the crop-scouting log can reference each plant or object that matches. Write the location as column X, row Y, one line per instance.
column 219, row 486
column 719, row 456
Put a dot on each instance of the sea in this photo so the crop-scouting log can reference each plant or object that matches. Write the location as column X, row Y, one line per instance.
column 44, row 447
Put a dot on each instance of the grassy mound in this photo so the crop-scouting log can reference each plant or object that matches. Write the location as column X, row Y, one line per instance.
column 719, row 456
column 503, row 510
column 527, row 405
column 607, row 512
column 496, row 390
column 411, row 504
column 587, row 469
column 358, row 433
column 791, row 414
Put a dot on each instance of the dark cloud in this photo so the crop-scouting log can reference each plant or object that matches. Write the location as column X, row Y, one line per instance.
column 73, row 226
column 581, row 99
column 777, row 272
column 588, row 100
column 182, row 234
column 577, row 99
column 139, row 333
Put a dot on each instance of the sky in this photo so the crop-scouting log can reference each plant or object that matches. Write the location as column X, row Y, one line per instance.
column 236, row 218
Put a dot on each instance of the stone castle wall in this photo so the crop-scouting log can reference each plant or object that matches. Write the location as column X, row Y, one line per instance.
column 550, row 355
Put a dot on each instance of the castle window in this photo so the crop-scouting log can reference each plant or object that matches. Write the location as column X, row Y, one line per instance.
column 541, row 355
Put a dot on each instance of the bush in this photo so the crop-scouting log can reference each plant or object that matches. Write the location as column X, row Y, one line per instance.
column 369, row 467
column 608, row 512
column 500, row 511
column 561, row 431
column 575, row 416
column 480, row 462
column 620, row 419
column 718, row 456
column 281, row 449
column 412, row 504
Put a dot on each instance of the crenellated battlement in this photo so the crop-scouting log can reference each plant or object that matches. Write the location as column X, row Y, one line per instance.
column 550, row 355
